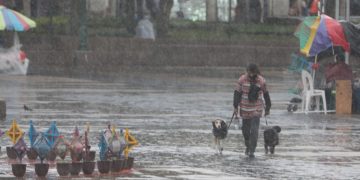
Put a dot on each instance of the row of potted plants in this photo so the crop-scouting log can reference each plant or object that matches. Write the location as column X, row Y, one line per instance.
column 113, row 155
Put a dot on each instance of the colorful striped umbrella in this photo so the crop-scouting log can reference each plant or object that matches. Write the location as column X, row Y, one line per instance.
column 318, row 33
column 12, row 20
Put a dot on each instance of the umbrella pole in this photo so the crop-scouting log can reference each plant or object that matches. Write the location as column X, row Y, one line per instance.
column 313, row 71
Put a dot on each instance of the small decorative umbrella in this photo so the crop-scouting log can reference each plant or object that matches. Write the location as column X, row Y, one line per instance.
column 61, row 146
column 33, row 134
column 52, row 133
column 131, row 142
column 42, row 147
column 12, row 20
column 14, row 132
column 20, row 148
column 76, row 145
column 318, row 33
column 116, row 144
column 103, row 146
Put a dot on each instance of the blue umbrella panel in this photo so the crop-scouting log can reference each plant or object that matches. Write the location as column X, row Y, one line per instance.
column 33, row 134
column 103, row 146
column 52, row 134
column 42, row 146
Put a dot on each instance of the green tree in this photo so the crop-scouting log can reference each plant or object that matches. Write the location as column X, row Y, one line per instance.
column 163, row 17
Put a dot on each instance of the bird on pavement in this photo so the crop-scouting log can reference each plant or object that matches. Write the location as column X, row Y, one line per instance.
column 26, row 108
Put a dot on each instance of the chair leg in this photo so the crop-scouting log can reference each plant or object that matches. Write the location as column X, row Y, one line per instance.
column 317, row 101
column 324, row 102
column 303, row 102
column 307, row 103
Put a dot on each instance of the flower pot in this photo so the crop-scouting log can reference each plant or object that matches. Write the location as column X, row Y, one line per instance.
column 103, row 166
column 63, row 169
column 11, row 153
column 76, row 168
column 41, row 170
column 31, row 154
column 129, row 162
column 90, row 156
column 76, row 156
column 88, row 167
column 18, row 170
column 116, row 165
column 51, row 155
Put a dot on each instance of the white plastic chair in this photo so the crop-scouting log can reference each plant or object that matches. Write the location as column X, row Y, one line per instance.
column 309, row 92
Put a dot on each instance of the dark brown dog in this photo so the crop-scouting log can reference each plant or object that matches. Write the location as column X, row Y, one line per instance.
column 271, row 139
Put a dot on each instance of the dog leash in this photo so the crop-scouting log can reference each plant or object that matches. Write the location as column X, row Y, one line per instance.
column 232, row 119
column 266, row 120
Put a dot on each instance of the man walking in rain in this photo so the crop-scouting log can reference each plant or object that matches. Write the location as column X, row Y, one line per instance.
column 248, row 103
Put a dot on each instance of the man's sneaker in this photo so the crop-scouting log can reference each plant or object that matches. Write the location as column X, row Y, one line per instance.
column 251, row 155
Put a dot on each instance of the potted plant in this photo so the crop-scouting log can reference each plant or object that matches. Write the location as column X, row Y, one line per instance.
column 61, row 148
column 14, row 133
column 10, row 152
column 117, row 145
column 131, row 142
column 103, row 164
column 19, row 169
column 31, row 153
column 52, row 135
column 88, row 163
column 42, row 147
column 76, row 148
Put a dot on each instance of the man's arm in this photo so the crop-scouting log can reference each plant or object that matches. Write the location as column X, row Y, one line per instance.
column 267, row 102
column 237, row 99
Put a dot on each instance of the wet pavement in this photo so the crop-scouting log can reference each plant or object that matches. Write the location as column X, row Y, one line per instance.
column 170, row 111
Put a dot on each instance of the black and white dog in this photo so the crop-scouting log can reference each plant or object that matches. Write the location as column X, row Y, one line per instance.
column 271, row 139
column 220, row 130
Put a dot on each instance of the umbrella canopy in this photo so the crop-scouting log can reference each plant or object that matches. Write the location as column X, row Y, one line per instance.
column 12, row 20
column 317, row 34
column 42, row 146
column 103, row 147
column 52, row 134
column 15, row 133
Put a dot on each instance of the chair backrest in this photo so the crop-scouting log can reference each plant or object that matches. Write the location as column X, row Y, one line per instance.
column 307, row 81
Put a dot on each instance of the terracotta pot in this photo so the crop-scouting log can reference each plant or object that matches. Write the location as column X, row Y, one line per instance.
column 129, row 162
column 116, row 165
column 90, row 156
column 41, row 170
column 51, row 155
column 63, row 169
column 76, row 168
column 75, row 156
column 103, row 166
column 88, row 167
column 11, row 153
column 31, row 154
column 18, row 170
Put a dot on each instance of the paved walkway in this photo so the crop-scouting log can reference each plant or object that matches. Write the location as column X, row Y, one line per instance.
column 171, row 117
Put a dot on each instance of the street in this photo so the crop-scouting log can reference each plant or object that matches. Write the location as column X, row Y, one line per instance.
column 170, row 115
